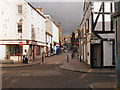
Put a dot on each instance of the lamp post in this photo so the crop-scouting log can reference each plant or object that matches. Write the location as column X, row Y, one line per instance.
column 116, row 17
column 117, row 56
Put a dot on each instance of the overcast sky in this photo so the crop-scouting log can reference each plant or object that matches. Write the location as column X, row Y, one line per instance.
column 68, row 13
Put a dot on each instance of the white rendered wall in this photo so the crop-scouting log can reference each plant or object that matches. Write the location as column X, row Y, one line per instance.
column 2, row 52
column 10, row 18
column 48, row 25
column 55, row 33
column 38, row 23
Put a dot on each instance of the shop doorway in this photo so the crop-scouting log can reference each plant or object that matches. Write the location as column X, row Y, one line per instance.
column 33, row 52
column 96, row 55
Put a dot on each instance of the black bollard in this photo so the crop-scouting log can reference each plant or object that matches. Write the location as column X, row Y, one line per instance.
column 42, row 58
column 80, row 58
column 67, row 58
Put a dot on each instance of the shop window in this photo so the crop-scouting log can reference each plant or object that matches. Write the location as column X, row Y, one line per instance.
column 14, row 50
column 20, row 9
column 38, row 50
column 19, row 25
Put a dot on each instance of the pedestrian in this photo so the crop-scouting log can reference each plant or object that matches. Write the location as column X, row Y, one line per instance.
column 43, row 55
column 72, row 55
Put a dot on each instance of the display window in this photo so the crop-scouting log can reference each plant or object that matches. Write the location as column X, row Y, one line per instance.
column 14, row 50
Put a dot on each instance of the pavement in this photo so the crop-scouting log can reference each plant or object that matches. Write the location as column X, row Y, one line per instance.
column 33, row 62
column 30, row 63
column 77, row 66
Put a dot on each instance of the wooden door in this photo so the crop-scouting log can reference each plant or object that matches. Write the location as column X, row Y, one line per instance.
column 96, row 55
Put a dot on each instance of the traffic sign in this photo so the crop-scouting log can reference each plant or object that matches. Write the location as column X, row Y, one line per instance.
column 20, row 43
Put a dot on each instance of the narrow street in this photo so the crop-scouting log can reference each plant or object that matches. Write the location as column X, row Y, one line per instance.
column 48, row 75
column 60, row 44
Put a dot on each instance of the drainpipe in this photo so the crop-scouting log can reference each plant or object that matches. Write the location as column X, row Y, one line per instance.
column 21, row 48
column 117, row 40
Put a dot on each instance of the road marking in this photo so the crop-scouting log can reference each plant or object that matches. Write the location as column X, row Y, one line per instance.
column 83, row 76
column 89, row 70
column 31, row 73
column 112, row 75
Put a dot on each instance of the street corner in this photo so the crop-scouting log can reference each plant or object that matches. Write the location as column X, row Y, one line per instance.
column 18, row 65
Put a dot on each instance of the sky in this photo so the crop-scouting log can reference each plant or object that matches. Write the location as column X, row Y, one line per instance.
column 69, row 14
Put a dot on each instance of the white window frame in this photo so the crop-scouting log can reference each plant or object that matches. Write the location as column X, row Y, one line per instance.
column 19, row 9
column 19, row 28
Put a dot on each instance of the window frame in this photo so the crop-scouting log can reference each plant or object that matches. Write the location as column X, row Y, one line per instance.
column 19, row 11
column 18, row 28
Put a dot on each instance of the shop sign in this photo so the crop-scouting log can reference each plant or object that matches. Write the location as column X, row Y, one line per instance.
column 42, row 44
column 95, row 41
column 33, row 42
column 11, row 42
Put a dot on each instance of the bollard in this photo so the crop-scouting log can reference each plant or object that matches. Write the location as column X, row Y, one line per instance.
column 67, row 58
column 80, row 58
column 42, row 58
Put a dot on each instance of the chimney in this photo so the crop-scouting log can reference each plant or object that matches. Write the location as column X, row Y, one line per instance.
column 40, row 10
column 59, row 24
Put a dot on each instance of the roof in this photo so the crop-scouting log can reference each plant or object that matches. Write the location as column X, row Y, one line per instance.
column 51, row 19
column 36, row 10
column 116, row 14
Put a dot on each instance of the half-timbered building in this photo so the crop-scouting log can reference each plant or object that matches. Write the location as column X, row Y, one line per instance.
column 97, row 35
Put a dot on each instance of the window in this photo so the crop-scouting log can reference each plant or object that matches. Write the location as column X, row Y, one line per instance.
column 19, row 27
column 14, row 50
column 20, row 9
